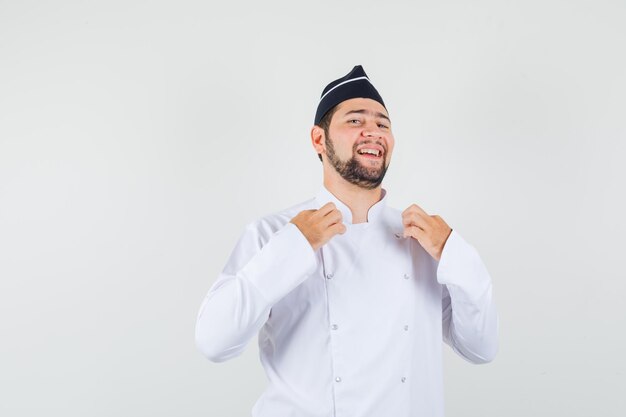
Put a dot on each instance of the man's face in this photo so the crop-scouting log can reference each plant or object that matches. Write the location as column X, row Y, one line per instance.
column 360, row 125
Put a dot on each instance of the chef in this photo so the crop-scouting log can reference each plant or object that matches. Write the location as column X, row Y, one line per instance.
column 351, row 299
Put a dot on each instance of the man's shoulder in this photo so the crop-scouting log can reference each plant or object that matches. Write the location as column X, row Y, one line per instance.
column 271, row 223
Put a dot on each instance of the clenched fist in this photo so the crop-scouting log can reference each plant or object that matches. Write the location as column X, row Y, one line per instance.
column 430, row 231
column 319, row 226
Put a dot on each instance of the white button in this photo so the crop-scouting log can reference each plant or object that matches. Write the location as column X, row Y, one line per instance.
column 406, row 276
column 403, row 379
column 338, row 379
column 329, row 276
column 335, row 327
column 406, row 327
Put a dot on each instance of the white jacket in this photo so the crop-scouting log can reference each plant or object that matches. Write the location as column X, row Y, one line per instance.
column 354, row 329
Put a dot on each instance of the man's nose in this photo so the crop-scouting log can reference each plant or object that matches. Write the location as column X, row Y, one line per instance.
column 372, row 133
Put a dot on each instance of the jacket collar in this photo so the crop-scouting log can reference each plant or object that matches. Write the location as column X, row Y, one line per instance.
column 374, row 214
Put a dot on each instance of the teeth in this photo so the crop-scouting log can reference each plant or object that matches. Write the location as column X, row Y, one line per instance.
column 370, row 151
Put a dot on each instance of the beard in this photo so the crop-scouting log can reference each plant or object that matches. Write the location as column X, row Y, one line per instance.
column 354, row 171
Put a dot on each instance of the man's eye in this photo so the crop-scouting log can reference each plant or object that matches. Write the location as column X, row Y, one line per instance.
column 382, row 125
column 353, row 120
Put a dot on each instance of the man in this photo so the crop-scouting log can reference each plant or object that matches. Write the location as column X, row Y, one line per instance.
column 351, row 298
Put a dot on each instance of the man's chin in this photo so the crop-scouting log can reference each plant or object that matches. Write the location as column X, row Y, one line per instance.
column 372, row 180
column 374, row 174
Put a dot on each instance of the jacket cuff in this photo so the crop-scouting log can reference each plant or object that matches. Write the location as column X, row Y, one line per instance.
column 461, row 268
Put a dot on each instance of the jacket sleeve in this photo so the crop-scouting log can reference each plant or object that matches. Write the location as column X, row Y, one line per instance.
column 470, row 320
column 255, row 277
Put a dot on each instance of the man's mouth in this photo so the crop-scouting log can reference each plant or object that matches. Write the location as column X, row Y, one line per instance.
column 370, row 153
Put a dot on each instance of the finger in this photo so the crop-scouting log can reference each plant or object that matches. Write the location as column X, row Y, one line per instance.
column 414, row 231
column 336, row 228
column 331, row 218
column 325, row 209
column 415, row 219
column 415, row 208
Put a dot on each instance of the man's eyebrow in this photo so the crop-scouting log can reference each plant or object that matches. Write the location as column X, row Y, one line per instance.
column 378, row 114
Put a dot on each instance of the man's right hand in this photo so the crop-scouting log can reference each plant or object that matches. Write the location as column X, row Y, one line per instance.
column 319, row 226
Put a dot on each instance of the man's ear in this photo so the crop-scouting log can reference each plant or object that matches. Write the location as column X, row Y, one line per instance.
column 318, row 139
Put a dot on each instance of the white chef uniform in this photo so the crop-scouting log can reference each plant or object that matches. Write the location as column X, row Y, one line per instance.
column 355, row 328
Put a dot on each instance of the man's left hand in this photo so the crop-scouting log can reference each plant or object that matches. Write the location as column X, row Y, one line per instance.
column 430, row 231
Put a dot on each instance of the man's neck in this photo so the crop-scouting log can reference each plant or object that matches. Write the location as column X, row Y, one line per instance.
column 358, row 199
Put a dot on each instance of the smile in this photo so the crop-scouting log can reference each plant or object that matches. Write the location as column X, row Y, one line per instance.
column 370, row 153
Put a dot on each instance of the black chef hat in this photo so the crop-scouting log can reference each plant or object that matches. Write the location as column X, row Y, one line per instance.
column 355, row 84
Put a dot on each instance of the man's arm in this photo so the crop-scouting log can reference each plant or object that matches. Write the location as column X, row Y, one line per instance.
column 255, row 277
column 470, row 320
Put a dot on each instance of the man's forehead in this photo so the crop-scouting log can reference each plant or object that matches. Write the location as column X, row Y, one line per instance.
column 362, row 105
column 369, row 105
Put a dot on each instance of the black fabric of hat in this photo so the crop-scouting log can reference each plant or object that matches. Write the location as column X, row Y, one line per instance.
column 354, row 84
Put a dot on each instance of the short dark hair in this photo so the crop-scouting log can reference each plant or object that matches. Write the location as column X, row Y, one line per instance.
column 325, row 124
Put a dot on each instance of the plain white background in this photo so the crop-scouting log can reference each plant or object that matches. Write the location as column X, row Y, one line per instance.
column 138, row 137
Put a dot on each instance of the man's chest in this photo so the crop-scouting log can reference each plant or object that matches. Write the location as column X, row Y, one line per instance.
column 367, row 276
